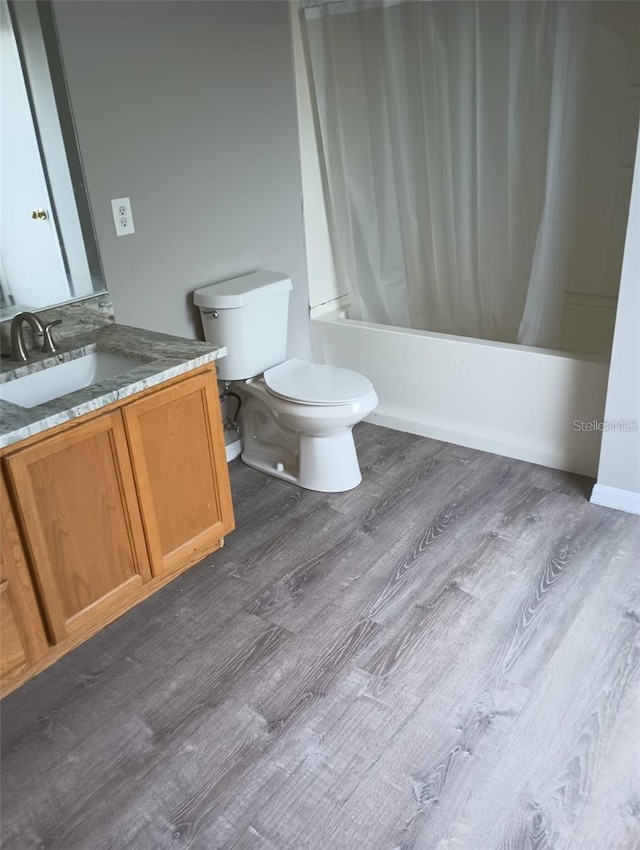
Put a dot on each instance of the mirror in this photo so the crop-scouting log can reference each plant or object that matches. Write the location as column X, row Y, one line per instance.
column 48, row 248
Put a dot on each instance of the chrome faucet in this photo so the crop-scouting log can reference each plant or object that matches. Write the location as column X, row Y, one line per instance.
column 18, row 350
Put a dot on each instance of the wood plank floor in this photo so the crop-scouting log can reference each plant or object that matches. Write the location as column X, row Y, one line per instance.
column 446, row 658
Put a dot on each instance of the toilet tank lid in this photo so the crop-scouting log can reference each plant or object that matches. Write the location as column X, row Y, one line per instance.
column 243, row 290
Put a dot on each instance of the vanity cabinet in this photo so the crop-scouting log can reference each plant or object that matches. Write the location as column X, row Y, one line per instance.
column 23, row 641
column 77, row 505
column 110, row 507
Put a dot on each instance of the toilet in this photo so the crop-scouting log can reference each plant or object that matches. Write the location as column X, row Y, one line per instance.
column 297, row 417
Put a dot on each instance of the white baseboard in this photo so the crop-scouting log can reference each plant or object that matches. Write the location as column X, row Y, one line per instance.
column 233, row 450
column 612, row 497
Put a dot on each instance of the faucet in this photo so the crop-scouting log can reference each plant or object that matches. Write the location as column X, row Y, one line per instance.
column 18, row 350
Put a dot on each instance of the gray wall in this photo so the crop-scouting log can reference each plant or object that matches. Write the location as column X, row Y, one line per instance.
column 619, row 468
column 189, row 109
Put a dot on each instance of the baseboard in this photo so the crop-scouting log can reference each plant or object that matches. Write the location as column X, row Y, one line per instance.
column 233, row 450
column 612, row 497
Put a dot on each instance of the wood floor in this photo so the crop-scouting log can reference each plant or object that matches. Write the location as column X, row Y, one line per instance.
column 446, row 658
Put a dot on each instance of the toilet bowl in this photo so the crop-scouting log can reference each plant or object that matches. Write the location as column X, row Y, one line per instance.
column 297, row 423
column 296, row 417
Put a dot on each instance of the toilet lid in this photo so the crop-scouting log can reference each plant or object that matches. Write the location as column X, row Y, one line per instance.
column 315, row 383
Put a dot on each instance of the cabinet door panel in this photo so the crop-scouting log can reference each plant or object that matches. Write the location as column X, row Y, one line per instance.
column 76, row 494
column 177, row 449
column 13, row 654
column 22, row 636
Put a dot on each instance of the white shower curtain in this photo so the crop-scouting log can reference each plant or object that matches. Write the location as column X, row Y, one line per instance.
column 449, row 136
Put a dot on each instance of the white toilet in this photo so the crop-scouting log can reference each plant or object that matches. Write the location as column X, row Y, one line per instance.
column 296, row 417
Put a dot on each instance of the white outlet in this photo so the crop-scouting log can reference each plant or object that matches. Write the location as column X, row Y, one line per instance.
column 122, row 216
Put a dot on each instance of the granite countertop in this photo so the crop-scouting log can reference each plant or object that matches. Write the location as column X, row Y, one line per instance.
column 164, row 357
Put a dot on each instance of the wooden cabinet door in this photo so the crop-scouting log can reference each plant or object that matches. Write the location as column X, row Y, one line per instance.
column 22, row 636
column 77, row 503
column 178, row 455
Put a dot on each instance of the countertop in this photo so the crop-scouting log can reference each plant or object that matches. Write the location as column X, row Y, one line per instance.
column 165, row 357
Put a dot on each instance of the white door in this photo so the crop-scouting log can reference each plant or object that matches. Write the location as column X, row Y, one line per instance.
column 33, row 270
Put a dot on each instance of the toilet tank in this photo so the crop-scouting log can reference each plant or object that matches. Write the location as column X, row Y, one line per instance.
column 248, row 315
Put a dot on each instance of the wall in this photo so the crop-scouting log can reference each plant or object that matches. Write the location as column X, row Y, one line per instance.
column 619, row 470
column 189, row 109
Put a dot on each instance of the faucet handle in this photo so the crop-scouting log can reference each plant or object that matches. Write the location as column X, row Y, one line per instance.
column 48, row 345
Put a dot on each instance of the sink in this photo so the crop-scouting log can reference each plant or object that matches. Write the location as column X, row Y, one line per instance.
column 55, row 381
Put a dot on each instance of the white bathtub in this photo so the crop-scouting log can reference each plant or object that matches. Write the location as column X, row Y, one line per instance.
column 528, row 403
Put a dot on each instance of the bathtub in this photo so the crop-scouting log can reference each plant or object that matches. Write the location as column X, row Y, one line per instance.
column 532, row 404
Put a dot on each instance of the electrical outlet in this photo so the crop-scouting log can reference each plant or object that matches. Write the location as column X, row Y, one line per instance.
column 122, row 216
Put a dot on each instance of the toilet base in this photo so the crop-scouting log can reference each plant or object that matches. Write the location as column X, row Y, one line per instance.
column 325, row 464
column 307, row 445
column 329, row 464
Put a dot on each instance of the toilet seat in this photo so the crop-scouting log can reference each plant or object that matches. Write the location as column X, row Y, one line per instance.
column 316, row 383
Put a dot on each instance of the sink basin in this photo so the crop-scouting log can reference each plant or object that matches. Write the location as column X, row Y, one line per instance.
column 55, row 381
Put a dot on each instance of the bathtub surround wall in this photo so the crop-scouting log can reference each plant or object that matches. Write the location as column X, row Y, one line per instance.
column 618, row 483
column 189, row 109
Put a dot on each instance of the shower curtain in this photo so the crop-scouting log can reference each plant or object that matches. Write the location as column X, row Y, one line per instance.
column 450, row 136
